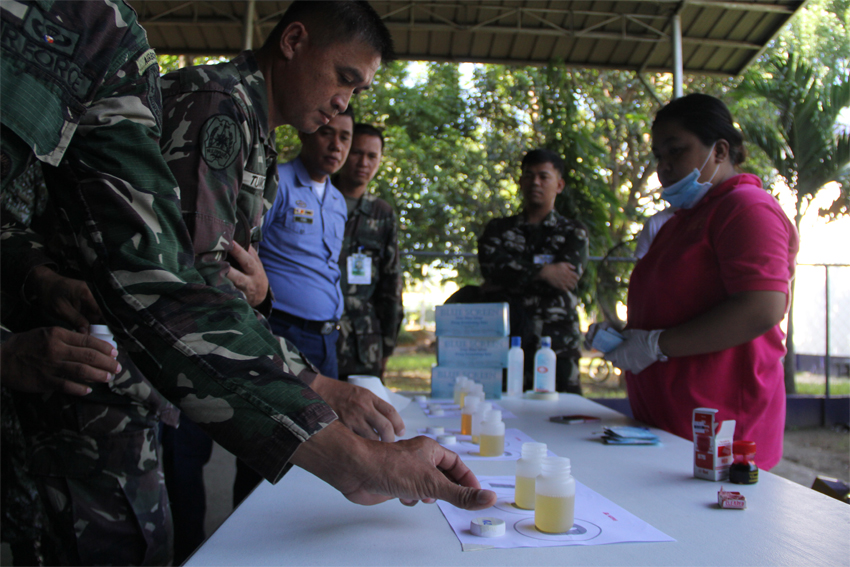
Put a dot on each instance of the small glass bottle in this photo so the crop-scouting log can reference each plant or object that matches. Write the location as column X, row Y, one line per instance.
column 477, row 418
column 528, row 467
column 466, row 414
column 555, row 497
column 744, row 469
column 516, row 360
column 492, row 435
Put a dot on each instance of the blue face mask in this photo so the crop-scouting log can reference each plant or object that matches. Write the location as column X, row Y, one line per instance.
column 687, row 192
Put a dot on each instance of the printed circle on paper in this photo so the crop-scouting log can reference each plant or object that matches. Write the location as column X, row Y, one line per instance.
column 221, row 140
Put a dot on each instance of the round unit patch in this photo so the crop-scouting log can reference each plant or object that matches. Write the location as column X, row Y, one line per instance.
column 221, row 140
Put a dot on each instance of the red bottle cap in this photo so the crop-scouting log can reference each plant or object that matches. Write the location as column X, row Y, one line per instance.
column 744, row 447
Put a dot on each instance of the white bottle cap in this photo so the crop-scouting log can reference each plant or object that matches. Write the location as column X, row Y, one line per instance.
column 436, row 430
column 437, row 412
column 487, row 527
column 446, row 439
column 100, row 330
column 420, row 399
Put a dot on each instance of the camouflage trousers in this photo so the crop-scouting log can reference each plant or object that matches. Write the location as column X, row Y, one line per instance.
column 108, row 518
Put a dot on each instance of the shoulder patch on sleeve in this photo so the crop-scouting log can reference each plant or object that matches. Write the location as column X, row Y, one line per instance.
column 221, row 140
column 147, row 59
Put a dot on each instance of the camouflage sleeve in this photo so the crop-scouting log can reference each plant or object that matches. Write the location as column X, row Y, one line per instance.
column 576, row 247
column 388, row 292
column 209, row 180
column 298, row 365
column 502, row 262
column 21, row 250
column 203, row 349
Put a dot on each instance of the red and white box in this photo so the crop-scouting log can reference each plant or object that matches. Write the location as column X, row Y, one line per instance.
column 712, row 445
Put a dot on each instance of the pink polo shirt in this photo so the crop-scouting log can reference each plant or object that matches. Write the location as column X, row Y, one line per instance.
column 737, row 238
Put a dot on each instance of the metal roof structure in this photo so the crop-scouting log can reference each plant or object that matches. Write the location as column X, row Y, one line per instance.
column 718, row 37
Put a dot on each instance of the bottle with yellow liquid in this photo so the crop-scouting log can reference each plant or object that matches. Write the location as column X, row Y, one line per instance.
column 528, row 467
column 465, row 390
column 466, row 414
column 477, row 418
column 555, row 497
column 460, row 381
column 492, row 435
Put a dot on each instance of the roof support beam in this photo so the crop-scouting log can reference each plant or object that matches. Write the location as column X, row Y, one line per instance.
column 678, row 70
column 248, row 26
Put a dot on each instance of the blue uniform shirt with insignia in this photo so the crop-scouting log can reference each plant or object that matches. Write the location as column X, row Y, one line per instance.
column 302, row 238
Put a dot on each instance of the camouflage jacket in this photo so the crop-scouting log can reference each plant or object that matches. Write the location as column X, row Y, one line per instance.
column 373, row 312
column 217, row 144
column 511, row 253
column 80, row 90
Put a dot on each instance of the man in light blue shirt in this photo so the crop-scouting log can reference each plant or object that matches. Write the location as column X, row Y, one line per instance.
column 302, row 239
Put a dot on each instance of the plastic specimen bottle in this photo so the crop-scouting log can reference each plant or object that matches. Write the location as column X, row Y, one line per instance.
column 477, row 418
column 492, row 435
column 528, row 467
column 516, row 360
column 467, row 388
column 466, row 414
column 544, row 367
column 460, row 381
column 555, row 497
column 103, row 333
column 744, row 469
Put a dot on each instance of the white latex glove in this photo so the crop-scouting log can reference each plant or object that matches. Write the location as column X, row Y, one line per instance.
column 591, row 332
column 638, row 351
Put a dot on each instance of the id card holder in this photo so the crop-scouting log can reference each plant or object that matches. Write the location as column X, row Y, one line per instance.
column 359, row 269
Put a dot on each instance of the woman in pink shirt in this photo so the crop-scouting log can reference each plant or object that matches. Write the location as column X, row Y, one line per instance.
column 706, row 300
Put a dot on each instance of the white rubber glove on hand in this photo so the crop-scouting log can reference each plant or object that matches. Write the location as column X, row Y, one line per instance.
column 637, row 351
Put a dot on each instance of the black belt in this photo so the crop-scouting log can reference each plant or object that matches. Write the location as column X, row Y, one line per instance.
column 320, row 327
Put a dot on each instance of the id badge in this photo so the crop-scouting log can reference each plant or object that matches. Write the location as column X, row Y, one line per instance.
column 543, row 258
column 359, row 269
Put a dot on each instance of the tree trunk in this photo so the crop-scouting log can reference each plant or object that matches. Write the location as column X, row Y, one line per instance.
column 791, row 354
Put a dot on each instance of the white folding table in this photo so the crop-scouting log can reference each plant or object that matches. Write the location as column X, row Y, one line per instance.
column 303, row 521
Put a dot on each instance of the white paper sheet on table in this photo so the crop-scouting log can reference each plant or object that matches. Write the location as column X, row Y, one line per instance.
column 468, row 451
column 451, row 409
column 598, row 521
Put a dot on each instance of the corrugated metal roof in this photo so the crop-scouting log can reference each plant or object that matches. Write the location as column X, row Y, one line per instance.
column 718, row 37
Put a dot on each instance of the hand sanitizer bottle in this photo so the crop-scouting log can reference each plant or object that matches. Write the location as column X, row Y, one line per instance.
column 555, row 497
column 516, row 360
column 544, row 367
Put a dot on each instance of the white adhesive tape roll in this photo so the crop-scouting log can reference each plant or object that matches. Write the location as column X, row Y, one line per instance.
column 487, row 527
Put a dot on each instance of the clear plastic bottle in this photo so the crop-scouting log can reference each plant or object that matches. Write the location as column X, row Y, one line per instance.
column 555, row 496
column 465, row 390
column 492, row 435
column 516, row 361
column 477, row 418
column 460, row 381
column 528, row 467
column 466, row 414
column 544, row 367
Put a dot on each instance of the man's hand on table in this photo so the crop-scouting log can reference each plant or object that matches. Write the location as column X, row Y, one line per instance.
column 362, row 411
column 53, row 358
column 369, row 472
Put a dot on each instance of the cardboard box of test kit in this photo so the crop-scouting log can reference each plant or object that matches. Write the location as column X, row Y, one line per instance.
column 485, row 352
column 472, row 320
column 443, row 380
column 712, row 445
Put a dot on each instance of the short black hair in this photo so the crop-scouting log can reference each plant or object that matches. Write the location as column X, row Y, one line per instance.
column 369, row 130
column 542, row 155
column 707, row 118
column 349, row 111
column 337, row 21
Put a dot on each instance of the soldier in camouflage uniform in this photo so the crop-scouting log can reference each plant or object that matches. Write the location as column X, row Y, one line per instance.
column 80, row 92
column 373, row 302
column 537, row 258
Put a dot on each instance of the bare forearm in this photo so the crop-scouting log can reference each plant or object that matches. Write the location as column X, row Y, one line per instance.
column 738, row 320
